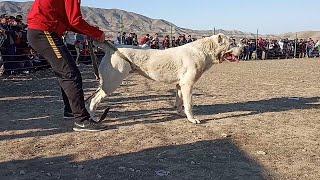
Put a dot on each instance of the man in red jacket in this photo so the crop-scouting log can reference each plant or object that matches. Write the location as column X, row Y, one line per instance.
column 47, row 22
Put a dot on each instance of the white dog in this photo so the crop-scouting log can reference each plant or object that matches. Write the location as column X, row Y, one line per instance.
column 181, row 66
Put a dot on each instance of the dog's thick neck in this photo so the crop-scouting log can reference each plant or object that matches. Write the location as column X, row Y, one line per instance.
column 214, row 47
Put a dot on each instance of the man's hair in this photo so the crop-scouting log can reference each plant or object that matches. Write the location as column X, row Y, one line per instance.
column 19, row 17
column 3, row 16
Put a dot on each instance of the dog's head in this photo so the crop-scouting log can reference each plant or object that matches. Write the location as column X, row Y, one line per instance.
column 232, row 54
column 222, row 48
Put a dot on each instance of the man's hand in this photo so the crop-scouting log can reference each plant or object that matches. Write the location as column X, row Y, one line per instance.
column 102, row 38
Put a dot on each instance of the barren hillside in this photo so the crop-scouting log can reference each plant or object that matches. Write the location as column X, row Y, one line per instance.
column 114, row 20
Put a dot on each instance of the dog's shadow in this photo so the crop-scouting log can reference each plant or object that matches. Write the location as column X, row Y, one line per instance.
column 250, row 108
column 240, row 109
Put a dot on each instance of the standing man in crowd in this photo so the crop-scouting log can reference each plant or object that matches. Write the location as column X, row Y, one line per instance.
column 119, row 38
column 3, row 37
column 129, row 39
column 166, row 42
column 124, row 38
column 310, row 48
column 78, row 44
column 317, row 45
column 155, row 42
column 189, row 39
column 48, row 20
column 145, row 41
column 302, row 48
column 173, row 41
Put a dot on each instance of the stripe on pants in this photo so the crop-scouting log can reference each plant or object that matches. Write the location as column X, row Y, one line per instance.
column 53, row 44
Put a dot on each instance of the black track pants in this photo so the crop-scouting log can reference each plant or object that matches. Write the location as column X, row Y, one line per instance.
column 51, row 47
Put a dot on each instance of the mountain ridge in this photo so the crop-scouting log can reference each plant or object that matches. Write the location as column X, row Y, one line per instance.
column 114, row 20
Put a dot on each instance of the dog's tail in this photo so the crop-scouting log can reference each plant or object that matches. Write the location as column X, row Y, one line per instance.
column 92, row 95
column 109, row 49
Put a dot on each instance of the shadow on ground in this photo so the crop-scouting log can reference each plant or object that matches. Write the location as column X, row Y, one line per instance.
column 261, row 106
column 253, row 107
column 218, row 159
column 49, row 124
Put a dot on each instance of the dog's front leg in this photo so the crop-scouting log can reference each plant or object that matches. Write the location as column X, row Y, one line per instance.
column 187, row 102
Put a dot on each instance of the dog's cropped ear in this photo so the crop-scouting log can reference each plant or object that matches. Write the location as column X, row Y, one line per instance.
column 220, row 38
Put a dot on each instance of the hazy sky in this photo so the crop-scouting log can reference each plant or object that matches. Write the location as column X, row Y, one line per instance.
column 269, row 16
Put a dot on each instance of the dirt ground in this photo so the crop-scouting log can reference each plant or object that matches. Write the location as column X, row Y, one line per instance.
column 260, row 121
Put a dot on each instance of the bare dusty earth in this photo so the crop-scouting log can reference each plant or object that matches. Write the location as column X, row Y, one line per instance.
column 260, row 121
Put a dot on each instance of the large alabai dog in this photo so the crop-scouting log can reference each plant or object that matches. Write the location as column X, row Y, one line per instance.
column 181, row 66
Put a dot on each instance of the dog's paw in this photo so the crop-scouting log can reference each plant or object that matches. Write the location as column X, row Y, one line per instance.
column 194, row 121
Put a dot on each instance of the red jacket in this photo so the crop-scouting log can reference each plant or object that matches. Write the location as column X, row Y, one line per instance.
column 144, row 40
column 60, row 16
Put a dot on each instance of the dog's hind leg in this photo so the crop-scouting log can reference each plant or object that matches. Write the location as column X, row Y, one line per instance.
column 95, row 101
column 179, row 101
column 111, row 79
column 186, row 91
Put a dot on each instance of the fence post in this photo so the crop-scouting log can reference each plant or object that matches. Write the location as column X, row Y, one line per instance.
column 121, row 29
column 171, row 35
column 257, row 37
column 295, row 46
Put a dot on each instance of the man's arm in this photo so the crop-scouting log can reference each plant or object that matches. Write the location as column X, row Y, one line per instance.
column 73, row 11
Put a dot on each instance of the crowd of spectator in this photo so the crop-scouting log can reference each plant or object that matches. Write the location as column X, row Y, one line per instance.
column 253, row 49
column 153, row 42
column 17, row 57
column 279, row 49
column 15, row 54
column 78, row 46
